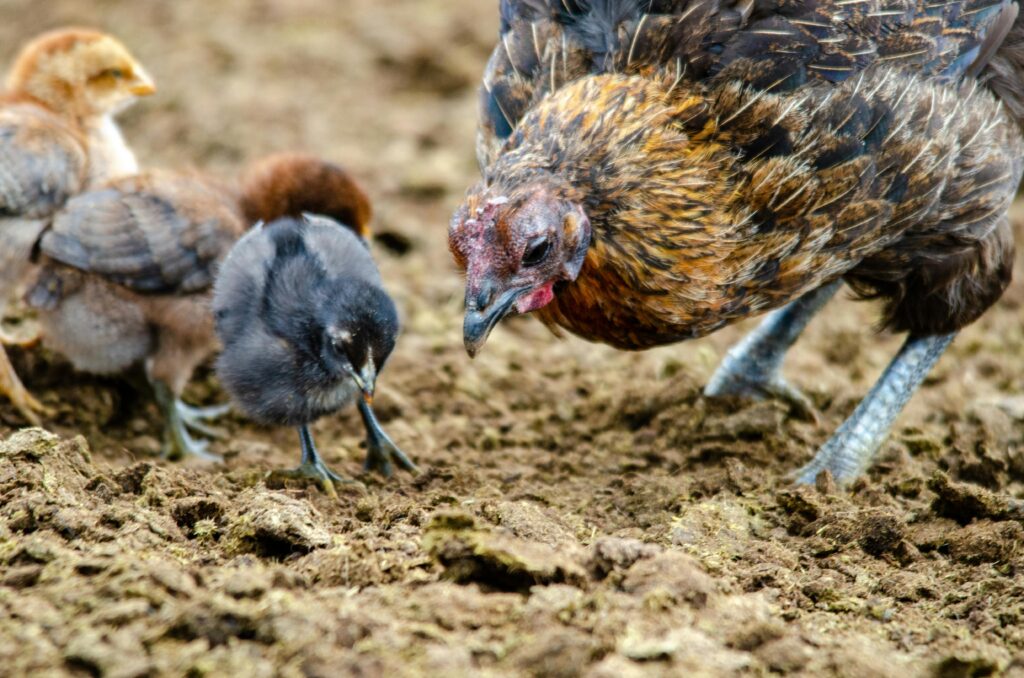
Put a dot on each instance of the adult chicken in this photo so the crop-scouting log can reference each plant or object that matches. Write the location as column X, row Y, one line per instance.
column 57, row 138
column 654, row 170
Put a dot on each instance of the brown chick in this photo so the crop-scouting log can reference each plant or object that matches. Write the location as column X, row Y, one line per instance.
column 57, row 138
column 126, row 271
column 654, row 170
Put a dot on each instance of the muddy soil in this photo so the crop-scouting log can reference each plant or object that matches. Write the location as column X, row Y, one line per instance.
column 580, row 511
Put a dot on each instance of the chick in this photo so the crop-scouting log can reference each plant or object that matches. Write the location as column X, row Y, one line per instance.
column 126, row 271
column 125, row 277
column 57, row 138
column 307, row 327
column 654, row 170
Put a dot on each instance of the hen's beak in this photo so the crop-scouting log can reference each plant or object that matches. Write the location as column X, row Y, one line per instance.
column 142, row 84
column 483, row 313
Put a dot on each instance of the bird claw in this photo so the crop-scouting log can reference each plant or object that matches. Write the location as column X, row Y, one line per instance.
column 757, row 387
column 8, row 339
column 316, row 471
column 379, row 457
column 380, row 449
column 195, row 418
column 10, row 385
column 178, row 444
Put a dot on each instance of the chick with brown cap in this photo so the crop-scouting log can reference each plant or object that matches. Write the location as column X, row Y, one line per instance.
column 57, row 138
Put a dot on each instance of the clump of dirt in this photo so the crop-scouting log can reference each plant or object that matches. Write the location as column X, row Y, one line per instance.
column 580, row 511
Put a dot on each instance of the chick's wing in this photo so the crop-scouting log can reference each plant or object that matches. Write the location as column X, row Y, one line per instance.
column 43, row 161
column 157, row 232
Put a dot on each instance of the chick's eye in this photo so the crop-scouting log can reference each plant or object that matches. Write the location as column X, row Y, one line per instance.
column 536, row 252
column 115, row 73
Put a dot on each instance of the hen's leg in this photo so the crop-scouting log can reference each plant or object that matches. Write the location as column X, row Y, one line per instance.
column 380, row 449
column 11, row 386
column 312, row 467
column 178, row 418
column 753, row 367
column 849, row 451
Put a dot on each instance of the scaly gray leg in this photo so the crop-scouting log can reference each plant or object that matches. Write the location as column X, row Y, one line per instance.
column 753, row 367
column 849, row 451
column 178, row 418
column 313, row 467
column 380, row 449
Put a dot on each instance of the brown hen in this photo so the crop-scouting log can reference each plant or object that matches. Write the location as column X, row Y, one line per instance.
column 57, row 138
column 654, row 170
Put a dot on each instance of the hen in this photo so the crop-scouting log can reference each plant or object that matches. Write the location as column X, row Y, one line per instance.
column 654, row 170
column 57, row 137
column 126, row 271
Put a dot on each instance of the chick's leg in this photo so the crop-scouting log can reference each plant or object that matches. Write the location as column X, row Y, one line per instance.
column 380, row 449
column 753, row 367
column 178, row 442
column 847, row 454
column 312, row 467
column 11, row 386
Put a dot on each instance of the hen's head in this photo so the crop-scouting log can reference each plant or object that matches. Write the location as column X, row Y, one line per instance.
column 79, row 72
column 515, row 246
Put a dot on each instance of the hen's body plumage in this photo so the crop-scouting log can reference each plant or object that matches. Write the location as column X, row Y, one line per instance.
column 710, row 161
column 722, row 185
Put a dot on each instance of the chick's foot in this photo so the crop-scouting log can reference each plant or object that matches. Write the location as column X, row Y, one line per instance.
column 28, row 341
column 312, row 467
column 178, row 419
column 850, row 450
column 381, row 451
column 753, row 367
column 195, row 418
column 23, row 401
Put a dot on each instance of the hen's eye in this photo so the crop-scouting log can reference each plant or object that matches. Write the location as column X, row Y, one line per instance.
column 536, row 252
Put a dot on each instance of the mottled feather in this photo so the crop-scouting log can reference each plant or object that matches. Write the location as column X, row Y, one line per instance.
column 158, row 232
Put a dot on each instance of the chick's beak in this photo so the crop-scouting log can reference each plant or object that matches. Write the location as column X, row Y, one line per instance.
column 141, row 84
column 484, row 310
column 366, row 380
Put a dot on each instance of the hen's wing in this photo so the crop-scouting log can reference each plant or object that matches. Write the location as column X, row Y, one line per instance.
column 43, row 161
column 767, row 44
column 157, row 232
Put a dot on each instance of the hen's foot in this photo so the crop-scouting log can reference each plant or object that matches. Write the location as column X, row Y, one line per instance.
column 381, row 451
column 850, row 450
column 753, row 367
column 760, row 387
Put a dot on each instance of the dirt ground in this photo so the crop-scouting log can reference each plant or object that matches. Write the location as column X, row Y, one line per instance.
column 580, row 511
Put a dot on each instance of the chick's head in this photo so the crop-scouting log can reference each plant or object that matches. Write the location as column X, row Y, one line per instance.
column 80, row 72
column 515, row 246
column 359, row 329
column 291, row 184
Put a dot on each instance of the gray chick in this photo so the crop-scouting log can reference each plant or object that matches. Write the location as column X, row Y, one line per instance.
column 306, row 327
